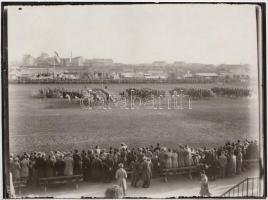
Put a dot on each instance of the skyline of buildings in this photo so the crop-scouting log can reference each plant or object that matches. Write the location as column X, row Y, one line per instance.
column 78, row 67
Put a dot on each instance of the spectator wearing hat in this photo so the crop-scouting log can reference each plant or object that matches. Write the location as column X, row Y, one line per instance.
column 16, row 169
column 40, row 166
column 85, row 166
column 169, row 159
column 231, row 165
column 204, row 190
column 121, row 176
column 77, row 163
column 239, row 161
column 135, row 172
column 59, row 166
column 146, row 172
column 222, row 164
column 187, row 156
column 96, row 168
column 50, row 164
column 181, row 162
column 174, row 158
column 68, row 160
column 108, row 165
column 25, row 167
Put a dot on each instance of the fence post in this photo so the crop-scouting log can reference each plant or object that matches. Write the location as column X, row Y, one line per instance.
column 252, row 188
column 247, row 187
column 243, row 188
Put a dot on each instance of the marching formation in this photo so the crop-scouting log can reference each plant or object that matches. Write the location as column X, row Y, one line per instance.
column 143, row 93
column 144, row 163
column 231, row 92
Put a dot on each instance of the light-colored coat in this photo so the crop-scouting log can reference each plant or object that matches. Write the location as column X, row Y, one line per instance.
column 68, row 170
column 204, row 191
column 174, row 160
column 169, row 160
column 25, row 168
column 121, row 176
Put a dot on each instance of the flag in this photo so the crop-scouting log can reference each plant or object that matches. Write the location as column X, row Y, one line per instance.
column 57, row 57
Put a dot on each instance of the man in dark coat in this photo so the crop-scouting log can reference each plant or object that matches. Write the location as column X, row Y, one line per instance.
column 85, row 167
column 77, row 163
column 135, row 166
column 107, row 166
column 59, row 166
column 96, row 168
column 40, row 165
column 146, row 172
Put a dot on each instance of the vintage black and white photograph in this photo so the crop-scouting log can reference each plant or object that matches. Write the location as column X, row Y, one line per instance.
column 134, row 100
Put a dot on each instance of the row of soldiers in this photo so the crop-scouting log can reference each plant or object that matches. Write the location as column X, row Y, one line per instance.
column 60, row 93
column 231, row 92
column 101, row 165
column 143, row 93
column 193, row 93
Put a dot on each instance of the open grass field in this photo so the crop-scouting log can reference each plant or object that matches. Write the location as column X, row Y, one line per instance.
column 40, row 125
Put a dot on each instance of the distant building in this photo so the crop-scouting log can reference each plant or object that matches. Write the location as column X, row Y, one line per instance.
column 69, row 75
column 155, row 74
column 65, row 62
column 115, row 76
column 98, row 62
column 77, row 61
column 188, row 75
column 28, row 60
column 159, row 63
column 206, row 75
column 44, row 60
column 128, row 74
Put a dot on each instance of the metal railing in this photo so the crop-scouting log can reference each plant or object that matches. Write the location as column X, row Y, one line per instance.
column 249, row 187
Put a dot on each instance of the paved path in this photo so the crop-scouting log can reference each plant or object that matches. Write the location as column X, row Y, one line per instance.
column 175, row 187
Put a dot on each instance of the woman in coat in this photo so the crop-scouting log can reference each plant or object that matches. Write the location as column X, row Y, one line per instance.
column 231, row 169
column 181, row 157
column 187, row 156
column 169, row 159
column 25, row 168
column 239, row 161
column 174, row 159
column 68, row 170
column 16, row 169
column 121, row 176
column 146, row 172
column 204, row 191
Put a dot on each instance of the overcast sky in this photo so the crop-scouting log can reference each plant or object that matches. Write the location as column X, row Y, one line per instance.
column 212, row 34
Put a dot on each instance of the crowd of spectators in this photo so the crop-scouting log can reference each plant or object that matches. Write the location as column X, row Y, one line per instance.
column 100, row 165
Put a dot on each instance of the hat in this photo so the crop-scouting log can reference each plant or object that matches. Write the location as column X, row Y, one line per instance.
column 120, row 165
